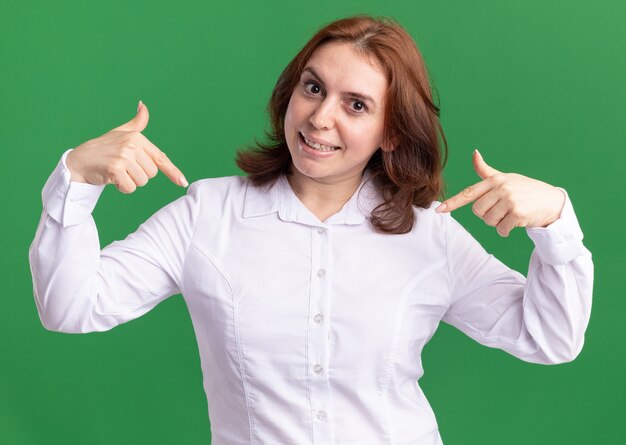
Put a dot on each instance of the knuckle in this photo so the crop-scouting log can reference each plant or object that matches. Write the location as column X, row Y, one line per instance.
column 126, row 152
column 468, row 191
column 130, row 145
column 161, row 157
column 130, row 140
column 116, row 166
column 506, row 187
column 498, row 178
column 126, row 139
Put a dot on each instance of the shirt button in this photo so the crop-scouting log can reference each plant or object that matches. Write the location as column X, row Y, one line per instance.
column 321, row 415
column 321, row 230
column 318, row 318
column 321, row 273
column 318, row 369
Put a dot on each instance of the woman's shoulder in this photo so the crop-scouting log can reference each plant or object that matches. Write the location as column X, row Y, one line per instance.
column 220, row 190
column 428, row 221
column 220, row 184
column 221, row 181
column 428, row 211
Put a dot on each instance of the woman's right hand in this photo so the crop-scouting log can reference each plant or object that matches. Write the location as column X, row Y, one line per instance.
column 123, row 157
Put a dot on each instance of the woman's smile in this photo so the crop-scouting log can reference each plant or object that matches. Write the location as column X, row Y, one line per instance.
column 311, row 146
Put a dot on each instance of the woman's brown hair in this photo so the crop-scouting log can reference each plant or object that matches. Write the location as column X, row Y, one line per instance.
column 411, row 173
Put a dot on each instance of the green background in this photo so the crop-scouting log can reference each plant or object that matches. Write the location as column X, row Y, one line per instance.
column 537, row 86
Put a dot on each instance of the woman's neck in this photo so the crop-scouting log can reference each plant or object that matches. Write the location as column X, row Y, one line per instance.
column 323, row 198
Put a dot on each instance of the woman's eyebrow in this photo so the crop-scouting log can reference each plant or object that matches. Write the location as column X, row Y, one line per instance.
column 360, row 96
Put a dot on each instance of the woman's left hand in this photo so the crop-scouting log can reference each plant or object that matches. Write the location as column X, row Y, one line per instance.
column 508, row 200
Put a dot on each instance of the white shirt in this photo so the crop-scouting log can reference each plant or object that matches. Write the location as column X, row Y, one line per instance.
column 309, row 332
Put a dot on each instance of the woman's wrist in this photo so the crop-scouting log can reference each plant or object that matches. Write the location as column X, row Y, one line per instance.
column 71, row 166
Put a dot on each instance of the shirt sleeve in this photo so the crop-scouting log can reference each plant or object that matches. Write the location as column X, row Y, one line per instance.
column 80, row 288
column 539, row 319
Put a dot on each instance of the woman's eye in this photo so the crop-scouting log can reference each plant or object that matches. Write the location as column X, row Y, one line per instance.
column 312, row 87
column 359, row 106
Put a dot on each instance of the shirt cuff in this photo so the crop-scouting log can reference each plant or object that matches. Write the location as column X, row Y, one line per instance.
column 68, row 202
column 561, row 241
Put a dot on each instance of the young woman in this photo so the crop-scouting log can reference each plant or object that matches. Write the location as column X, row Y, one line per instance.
column 314, row 282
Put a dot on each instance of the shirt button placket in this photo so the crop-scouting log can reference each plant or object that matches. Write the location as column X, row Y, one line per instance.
column 318, row 337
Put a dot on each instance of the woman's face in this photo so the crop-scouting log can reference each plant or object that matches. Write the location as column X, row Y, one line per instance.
column 334, row 121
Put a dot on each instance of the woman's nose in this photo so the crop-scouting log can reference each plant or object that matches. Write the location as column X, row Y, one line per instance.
column 323, row 116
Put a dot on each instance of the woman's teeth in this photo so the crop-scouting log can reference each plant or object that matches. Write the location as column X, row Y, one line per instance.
column 317, row 146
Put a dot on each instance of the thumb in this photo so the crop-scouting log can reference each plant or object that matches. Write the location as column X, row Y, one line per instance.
column 137, row 123
column 481, row 167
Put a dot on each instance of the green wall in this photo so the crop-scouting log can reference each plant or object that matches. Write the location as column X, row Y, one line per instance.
column 537, row 86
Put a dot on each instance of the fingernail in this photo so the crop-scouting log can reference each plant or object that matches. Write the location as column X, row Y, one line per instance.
column 139, row 105
column 182, row 181
column 477, row 152
column 441, row 208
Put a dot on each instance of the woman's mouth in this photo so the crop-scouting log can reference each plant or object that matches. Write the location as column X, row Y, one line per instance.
column 316, row 146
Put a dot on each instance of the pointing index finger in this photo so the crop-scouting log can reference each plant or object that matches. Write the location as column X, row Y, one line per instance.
column 164, row 164
column 469, row 194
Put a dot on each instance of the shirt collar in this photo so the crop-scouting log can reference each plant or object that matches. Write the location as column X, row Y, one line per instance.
column 281, row 199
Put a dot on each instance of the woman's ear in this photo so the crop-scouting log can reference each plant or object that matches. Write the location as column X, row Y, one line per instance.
column 390, row 145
